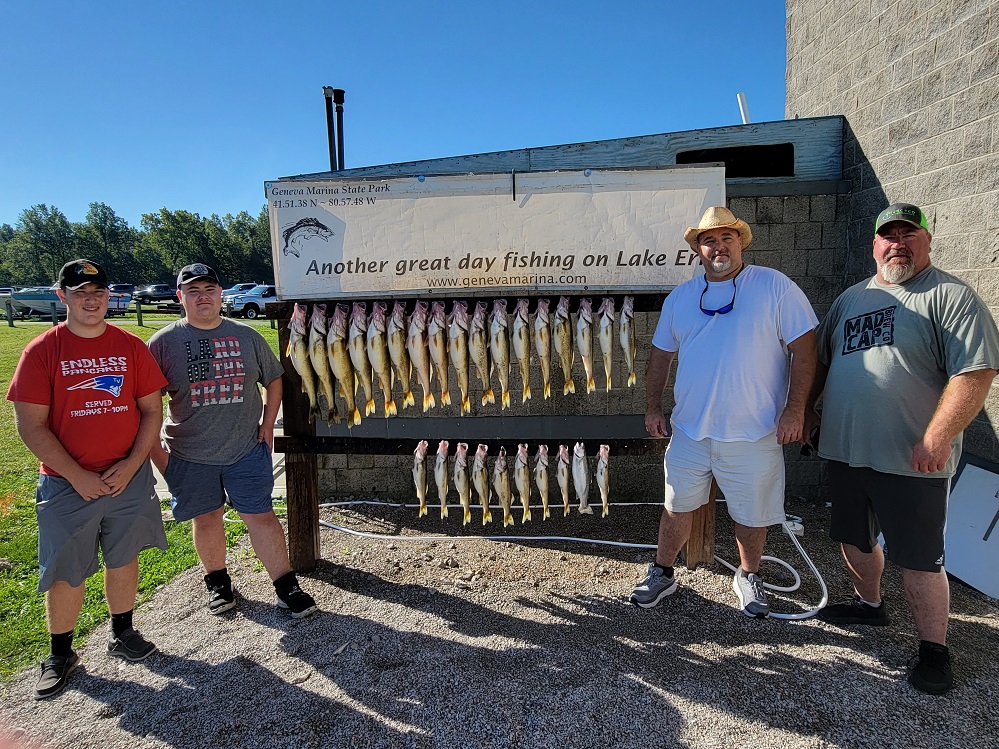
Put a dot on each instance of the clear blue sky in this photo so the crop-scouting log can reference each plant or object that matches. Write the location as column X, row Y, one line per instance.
column 192, row 105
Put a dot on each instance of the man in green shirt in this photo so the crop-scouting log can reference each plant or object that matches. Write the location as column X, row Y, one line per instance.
column 906, row 359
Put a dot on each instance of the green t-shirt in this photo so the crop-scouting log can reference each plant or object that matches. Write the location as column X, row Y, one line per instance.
column 891, row 350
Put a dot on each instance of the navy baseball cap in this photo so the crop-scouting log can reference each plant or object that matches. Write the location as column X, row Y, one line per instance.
column 906, row 212
column 77, row 273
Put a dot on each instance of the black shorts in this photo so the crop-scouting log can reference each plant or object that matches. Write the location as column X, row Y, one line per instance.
column 910, row 511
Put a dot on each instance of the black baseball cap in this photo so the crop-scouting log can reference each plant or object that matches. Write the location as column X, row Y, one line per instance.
column 194, row 271
column 906, row 212
column 77, row 273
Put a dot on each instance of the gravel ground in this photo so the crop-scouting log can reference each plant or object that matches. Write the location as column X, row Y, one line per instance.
column 455, row 643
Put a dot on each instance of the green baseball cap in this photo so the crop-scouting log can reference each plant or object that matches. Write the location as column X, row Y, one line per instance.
column 906, row 212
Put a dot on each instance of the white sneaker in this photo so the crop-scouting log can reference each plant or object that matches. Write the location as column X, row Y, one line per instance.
column 752, row 596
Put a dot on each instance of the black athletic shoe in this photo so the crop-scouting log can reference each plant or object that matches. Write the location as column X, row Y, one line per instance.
column 131, row 646
column 932, row 673
column 298, row 602
column 221, row 596
column 55, row 673
column 854, row 611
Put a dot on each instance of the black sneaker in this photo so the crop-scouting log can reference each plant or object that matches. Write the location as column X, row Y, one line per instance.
column 932, row 673
column 55, row 673
column 131, row 646
column 854, row 611
column 221, row 596
column 298, row 602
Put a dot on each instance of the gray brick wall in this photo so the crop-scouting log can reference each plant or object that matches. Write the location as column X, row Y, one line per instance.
column 918, row 83
column 803, row 236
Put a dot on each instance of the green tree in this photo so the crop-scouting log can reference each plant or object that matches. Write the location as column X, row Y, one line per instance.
column 241, row 247
column 178, row 238
column 43, row 241
column 108, row 239
column 260, row 261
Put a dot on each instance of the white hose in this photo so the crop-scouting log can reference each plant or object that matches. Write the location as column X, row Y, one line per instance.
column 824, row 598
column 786, row 525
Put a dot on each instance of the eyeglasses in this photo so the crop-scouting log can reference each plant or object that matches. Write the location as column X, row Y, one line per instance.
column 721, row 310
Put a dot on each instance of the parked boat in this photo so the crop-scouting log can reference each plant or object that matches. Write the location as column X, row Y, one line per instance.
column 37, row 300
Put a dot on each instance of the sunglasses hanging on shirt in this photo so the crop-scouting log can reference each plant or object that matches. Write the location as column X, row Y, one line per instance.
column 721, row 310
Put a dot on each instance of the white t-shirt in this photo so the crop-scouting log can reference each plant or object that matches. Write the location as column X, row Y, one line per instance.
column 732, row 370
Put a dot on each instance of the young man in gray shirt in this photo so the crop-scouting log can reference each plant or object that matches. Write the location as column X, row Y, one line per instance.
column 216, row 446
column 906, row 359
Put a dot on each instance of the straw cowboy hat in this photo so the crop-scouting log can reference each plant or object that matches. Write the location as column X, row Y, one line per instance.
column 718, row 217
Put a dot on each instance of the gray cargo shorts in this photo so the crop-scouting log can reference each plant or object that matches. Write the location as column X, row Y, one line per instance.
column 71, row 530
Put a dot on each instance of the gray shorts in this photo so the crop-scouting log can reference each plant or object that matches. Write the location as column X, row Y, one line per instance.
column 71, row 529
column 911, row 512
column 200, row 488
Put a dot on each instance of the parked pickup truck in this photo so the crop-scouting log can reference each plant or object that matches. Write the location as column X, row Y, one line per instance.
column 249, row 304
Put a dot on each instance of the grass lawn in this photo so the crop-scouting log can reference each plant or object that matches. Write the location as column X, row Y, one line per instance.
column 23, row 636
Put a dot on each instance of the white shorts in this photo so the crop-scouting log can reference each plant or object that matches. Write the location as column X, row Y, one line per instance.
column 749, row 474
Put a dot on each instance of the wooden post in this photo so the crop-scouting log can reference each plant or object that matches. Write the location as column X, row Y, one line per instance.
column 302, row 476
column 700, row 548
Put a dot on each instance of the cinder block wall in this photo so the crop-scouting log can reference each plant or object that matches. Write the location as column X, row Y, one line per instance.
column 803, row 236
column 918, row 83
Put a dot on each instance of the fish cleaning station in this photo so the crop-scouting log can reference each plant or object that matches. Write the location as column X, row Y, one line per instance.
column 486, row 319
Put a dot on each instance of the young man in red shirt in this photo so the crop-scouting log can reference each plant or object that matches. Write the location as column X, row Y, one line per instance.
column 87, row 404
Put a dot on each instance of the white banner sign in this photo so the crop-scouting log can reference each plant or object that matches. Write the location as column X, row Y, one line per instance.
column 592, row 230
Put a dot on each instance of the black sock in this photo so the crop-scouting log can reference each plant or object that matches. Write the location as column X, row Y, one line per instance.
column 285, row 583
column 218, row 577
column 62, row 644
column 667, row 571
column 121, row 622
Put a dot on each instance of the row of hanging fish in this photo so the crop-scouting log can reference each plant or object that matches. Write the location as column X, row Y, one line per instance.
column 473, row 472
column 340, row 352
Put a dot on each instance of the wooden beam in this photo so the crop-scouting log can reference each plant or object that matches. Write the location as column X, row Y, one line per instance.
column 303, row 510
column 700, row 548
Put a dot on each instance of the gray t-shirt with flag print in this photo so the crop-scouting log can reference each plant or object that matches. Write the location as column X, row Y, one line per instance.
column 213, row 377
column 891, row 349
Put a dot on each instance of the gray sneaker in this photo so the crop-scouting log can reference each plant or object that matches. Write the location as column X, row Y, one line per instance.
column 752, row 596
column 654, row 588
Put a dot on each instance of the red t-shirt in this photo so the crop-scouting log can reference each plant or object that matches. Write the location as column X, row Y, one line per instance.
column 91, row 386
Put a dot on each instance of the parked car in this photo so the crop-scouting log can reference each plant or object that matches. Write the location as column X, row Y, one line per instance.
column 122, row 288
column 250, row 304
column 237, row 289
column 158, row 292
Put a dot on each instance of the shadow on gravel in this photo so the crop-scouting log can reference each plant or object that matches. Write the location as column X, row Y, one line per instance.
column 539, row 655
column 236, row 703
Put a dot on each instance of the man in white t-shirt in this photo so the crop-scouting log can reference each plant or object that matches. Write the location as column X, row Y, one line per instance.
column 745, row 336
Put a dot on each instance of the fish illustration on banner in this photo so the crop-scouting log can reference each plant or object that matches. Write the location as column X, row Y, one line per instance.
column 301, row 232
